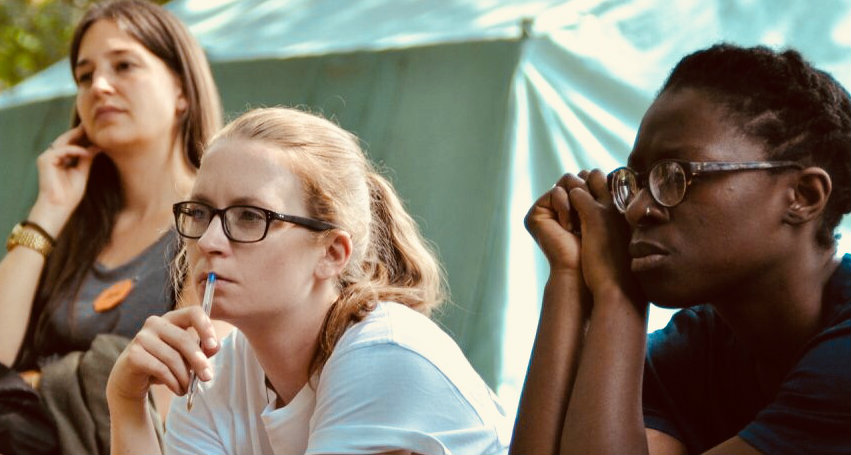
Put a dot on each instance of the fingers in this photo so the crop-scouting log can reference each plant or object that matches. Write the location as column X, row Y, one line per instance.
column 75, row 136
column 584, row 203
column 146, row 361
column 167, row 348
column 593, row 183
column 195, row 318
column 560, row 204
column 551, row 206
column 70, row 148
column 555, row 205
column 598, row 186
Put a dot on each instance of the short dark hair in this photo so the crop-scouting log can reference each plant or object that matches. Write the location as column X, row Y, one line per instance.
column 799, row 112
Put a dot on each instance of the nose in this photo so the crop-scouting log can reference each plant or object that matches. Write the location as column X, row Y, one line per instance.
column 102, row 81
column 641, row 209
column 214, row 240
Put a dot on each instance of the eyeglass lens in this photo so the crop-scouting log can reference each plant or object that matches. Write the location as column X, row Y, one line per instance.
column 242, row 224
column 624, row 188
column 667, row 183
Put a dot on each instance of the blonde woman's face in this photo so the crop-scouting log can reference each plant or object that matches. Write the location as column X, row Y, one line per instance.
column 257, row 283
column 125, row 94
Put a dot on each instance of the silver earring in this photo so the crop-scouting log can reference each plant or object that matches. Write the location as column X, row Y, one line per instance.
column 647, row 212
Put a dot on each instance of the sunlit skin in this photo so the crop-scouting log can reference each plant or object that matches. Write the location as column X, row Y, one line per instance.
column 743, row 242
column 276, row 291
column 280, row 285
column 126, row 96
column 259, row 285
column 130, row 105
column 714, row 243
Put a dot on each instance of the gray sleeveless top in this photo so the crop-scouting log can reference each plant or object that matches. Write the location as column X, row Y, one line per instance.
column 75, row 323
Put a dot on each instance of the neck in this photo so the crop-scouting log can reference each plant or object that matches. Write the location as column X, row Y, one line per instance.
column 286, row 344
column 153, row 177
column 775, row 314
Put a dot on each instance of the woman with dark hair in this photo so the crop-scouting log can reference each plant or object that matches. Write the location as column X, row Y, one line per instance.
column 329, row 284
column 737, row 180
column 92, row 255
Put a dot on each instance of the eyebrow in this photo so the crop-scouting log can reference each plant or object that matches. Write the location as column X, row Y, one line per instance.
column 663, row 153
column 238, row 201
column 112, row 53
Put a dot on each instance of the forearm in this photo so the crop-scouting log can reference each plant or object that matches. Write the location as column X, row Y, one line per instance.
column 552, row 367
column 605, row 413
column 131, row 428
column 20, row 270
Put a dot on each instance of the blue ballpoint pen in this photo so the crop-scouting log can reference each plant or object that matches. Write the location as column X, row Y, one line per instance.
column 206, row 305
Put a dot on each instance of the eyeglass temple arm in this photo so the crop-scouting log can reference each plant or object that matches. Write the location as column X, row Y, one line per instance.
column 710, row 166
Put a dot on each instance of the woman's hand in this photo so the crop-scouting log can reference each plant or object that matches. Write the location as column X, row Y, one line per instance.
column 605, row 240
column 63, row 170
column 553, row 224
column 163, row 353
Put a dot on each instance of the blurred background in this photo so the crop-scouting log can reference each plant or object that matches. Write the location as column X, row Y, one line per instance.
column 474, row 107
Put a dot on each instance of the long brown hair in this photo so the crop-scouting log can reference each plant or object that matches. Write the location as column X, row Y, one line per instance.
column 89, row 228
column 390, row 260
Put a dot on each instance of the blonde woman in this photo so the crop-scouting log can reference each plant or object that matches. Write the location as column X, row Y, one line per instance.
column 330, row 285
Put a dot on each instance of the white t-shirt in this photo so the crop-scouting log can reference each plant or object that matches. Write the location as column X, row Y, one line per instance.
column 394, row 381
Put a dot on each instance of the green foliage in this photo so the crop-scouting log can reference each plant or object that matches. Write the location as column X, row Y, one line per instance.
column 36, row 33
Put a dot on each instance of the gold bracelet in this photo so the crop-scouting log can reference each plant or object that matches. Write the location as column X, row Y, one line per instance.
column 32, row 236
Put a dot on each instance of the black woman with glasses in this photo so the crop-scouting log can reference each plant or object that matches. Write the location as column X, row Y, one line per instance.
column 329, row 284
column 727, row 209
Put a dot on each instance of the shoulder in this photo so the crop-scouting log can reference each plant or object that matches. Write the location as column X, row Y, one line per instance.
column 406, row 338
column 397, row 373
column 837, row 293
column 825, row 364
column 812, row 409
column 689, row 331
column 394, row 323
column 398, row 340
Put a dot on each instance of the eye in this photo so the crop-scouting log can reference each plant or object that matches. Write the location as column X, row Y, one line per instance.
column 84, row 78
column 123, row 65
column 247, row 215
column 195, row 212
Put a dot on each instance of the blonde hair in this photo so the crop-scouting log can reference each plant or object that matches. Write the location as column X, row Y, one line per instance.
column 390, row 259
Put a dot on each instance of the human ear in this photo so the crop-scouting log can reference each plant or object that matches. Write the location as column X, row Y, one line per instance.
column 338, row 250
column 182, row 104
column 809, row 195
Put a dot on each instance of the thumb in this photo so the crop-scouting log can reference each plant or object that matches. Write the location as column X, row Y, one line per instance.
column 584, row 204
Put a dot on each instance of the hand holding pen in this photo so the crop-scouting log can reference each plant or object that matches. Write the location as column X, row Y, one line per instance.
column 165, row 351
column 206, row 305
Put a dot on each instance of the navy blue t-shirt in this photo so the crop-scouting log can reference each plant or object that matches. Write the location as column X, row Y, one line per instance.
column 700, row 383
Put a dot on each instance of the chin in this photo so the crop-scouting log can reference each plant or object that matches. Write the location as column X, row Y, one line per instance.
column 670, row 293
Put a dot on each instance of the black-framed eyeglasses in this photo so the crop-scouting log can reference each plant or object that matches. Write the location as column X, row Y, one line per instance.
column 669, row 179
column 241, row 223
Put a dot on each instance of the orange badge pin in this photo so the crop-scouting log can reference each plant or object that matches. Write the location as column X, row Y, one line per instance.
column 112, row 296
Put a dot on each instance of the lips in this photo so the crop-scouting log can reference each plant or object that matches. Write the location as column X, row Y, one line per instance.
column 646, row 255
column 106, row 110
column 202, row 277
